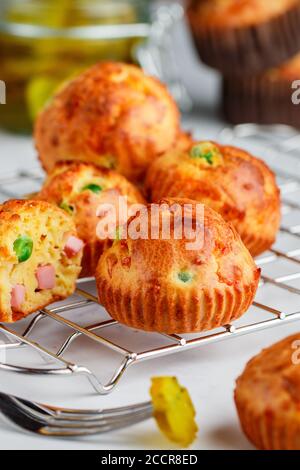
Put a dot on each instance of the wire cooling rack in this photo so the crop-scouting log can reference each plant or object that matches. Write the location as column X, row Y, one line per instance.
column 80, row 326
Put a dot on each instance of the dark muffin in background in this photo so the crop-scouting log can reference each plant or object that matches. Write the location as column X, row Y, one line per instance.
column 268, row 98
column 240, row 37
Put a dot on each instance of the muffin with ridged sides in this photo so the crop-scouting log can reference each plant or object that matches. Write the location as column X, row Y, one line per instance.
column 40, row 257
column 80, row 189
column 271, row 97
column 237, row 185
column 160, row 282
column 245, row 37
column 267, row 397
column 113, row 115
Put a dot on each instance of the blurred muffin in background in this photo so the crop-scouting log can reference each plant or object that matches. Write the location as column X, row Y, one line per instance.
column 235, row 184
column 80, row 188
column 184, row 141
column 269, row 98
column 112, row 115
column 240, row 37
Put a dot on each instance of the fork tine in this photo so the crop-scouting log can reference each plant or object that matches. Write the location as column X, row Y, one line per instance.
column 30, row 423
column 127, row 409
column 85, row 431
column 33, row 405
column 98, row 425
column 105, row 414
column 93, row 420
column 75, row 421
column 71, row 414
column 23, row 410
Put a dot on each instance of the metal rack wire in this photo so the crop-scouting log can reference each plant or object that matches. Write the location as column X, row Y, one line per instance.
column 268, row 138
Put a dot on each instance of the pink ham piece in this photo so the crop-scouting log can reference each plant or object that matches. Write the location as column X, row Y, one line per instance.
column 17, row 296
column 46, row 276
column 73, row 246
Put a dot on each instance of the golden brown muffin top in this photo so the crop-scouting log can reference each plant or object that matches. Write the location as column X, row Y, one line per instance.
column 113, row 115
column 79, row 188
column 270, row 382
column 208, row 14
column 221, row 258
column 221, row 175
column 13, row 210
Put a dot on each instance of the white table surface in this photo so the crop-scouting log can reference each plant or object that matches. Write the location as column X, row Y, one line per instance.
column 209, row 373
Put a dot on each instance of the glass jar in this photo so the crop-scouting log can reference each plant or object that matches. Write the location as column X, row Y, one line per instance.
column 44, row 42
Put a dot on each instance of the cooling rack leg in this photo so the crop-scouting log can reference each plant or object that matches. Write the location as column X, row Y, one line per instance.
column 111, row 384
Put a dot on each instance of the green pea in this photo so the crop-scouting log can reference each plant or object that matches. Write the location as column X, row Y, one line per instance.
column 207, row 151
column 95, row 188
column 197, row 152
column 184, row 276
column 23, row 247
column 66, row 207
column 118, row 234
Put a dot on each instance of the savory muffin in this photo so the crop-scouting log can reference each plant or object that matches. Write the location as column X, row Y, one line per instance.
column 242, row 37
column 170, row 280
column 237, row 185
column 112, row 115
column 80, row 189
column 267, row 98
column 40, row 256
column 267, row 397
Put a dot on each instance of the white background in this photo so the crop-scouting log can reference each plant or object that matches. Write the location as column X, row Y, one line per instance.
column 208, row 373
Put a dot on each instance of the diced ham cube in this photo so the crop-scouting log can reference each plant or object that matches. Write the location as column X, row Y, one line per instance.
column 17, row 296
column 73, row 246
column 46, row 276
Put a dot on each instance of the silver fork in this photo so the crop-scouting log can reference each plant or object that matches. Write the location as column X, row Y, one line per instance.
column 52, row 421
